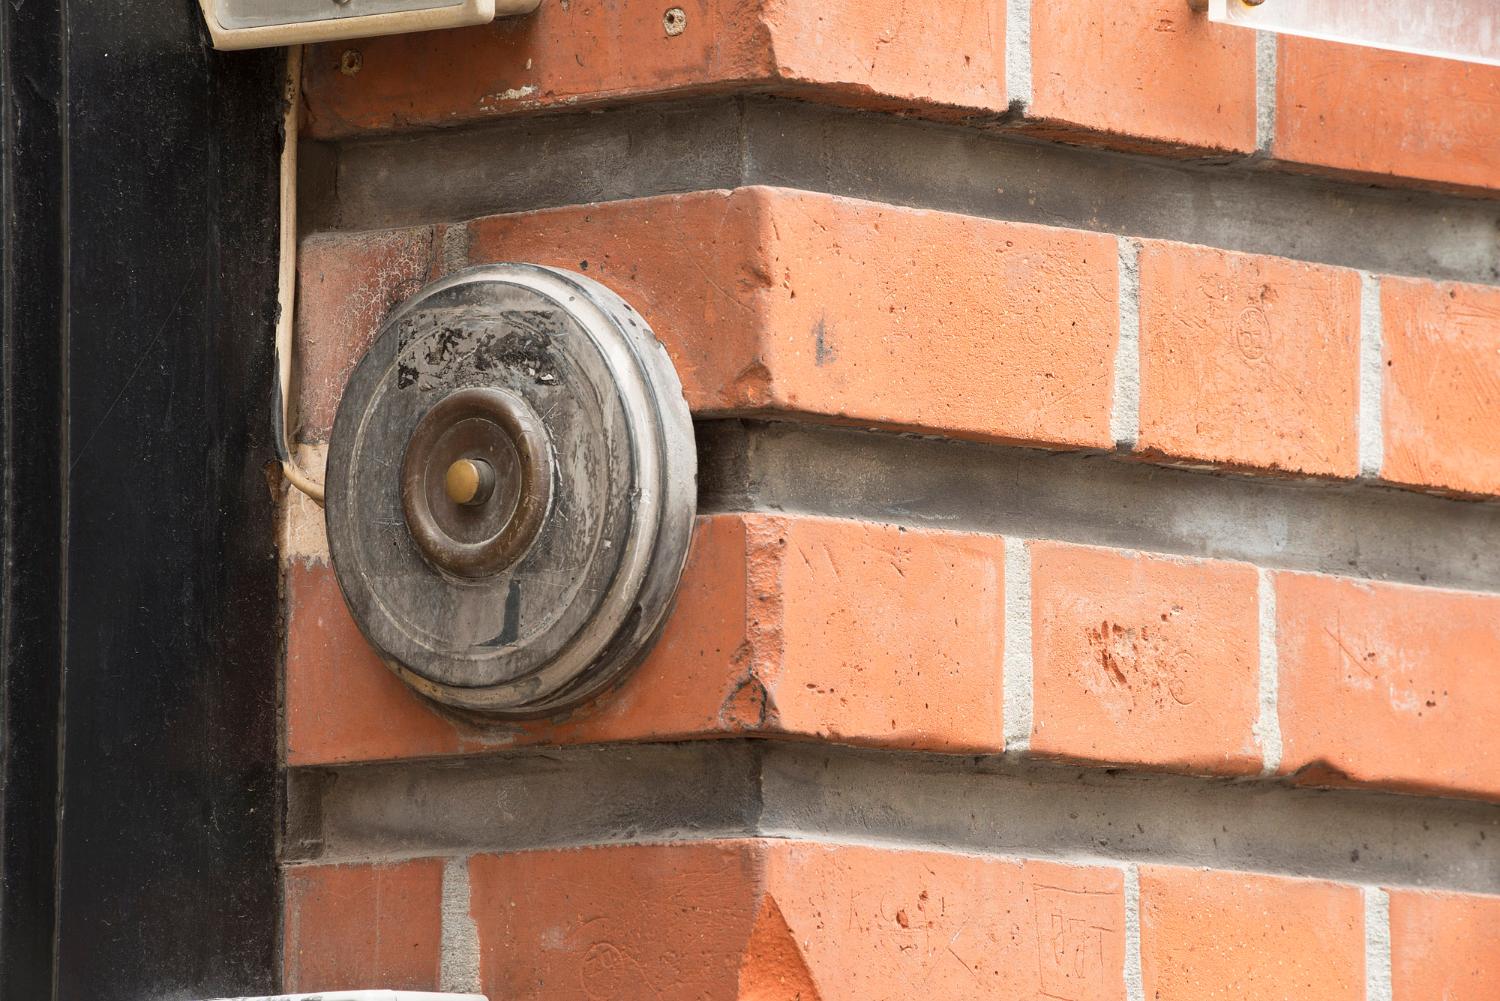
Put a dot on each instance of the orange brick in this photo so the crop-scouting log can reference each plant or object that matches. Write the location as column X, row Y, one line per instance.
column 852, row 311
column 947, row 927
column 869, row 53
column 1246, row 937
column 344, row 705
column 638, row 921
column 1389, row 684
column 757, row 921
column 1248, row 360
column 1388, row 114
column 354, row 926
column 346, row 284
column 1151, row 72
column 1144, row 659
column 801, row 626
column 1444, row 945
column 865, row 650
column 1442, row 385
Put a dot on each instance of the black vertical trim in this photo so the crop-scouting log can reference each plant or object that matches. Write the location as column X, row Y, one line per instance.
column 138, row 641
column 31, row 589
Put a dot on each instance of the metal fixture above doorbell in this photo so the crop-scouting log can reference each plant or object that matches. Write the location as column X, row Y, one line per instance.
column 256, row 24
column 511, row 488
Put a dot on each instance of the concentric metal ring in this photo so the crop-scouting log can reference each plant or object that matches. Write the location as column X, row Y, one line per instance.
column 538, row 595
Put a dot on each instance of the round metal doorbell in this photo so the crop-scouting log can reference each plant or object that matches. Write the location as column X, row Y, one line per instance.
column 511, row 488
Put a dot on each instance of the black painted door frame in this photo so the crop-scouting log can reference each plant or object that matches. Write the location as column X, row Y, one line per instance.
column 139, row 805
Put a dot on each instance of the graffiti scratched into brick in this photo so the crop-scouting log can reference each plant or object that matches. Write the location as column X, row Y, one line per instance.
column 1078, row 940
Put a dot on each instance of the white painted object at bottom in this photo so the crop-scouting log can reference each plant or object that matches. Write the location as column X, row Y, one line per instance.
column 363, row 996
column 1466, row 30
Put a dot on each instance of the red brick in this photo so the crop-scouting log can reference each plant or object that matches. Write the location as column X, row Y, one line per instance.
column 1247, row 937
column 1248, row 360
column 356, row 926
column 1442, row 385
column 744, row 920
column 804, row 626
column 1143, row 72
column 638, row 921
column 1144, row 659
column 949, row 927
column 852, row 311
column 1390, row 685
column 344, row 705
column 1444, row 945
column 1387, row 114
column 346, row 284
column 865, row 651
column 871, row 53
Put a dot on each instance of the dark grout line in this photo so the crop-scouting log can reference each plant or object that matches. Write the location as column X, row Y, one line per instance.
column 632, row 794
column 642, row 150
column 1352, row 529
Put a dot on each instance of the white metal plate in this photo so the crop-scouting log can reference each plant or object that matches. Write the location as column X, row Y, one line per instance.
column 256, row 24
column 1467, row 30
column 234, row 14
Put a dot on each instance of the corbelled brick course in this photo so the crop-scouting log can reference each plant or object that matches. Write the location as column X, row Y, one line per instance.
column 805, row 626
column 796, row 306
column 1137, row 74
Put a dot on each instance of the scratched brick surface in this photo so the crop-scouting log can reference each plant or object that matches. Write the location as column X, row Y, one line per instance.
column 1146, row 660
column 783, row 919
column 1388, row 684
column 1442, row 385
column 1208, row 934
column 799, row 626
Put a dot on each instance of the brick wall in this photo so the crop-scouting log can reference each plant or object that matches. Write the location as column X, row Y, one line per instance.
column 1096, row 589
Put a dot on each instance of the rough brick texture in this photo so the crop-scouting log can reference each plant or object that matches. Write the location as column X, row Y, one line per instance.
column 805, row 626
column 345, row 287
column 358, row 925
column 1141, row 73
column 1444, row 945
column 1442, row 385
column 776, row 920
column 870, row 53
column 851, row 310
column 1138, row 74
column 815, row 308
column 1389, row 685
column 1387, row 114
column 1231, row 935
column 1248, row 360
column 1144, row 660
column 773, row 300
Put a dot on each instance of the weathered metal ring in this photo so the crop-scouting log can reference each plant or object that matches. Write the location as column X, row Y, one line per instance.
column 498, row 429
column 529, row 592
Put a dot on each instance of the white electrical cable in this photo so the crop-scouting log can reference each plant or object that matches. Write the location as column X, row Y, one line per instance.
column 286, row 281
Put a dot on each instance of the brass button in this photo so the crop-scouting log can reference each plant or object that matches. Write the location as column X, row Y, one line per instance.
column 470, row 482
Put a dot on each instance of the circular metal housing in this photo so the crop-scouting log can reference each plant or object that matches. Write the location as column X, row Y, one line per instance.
column 511, row 488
